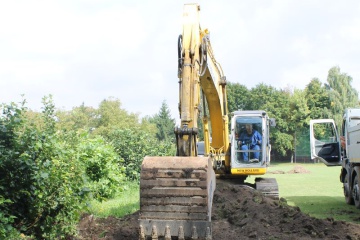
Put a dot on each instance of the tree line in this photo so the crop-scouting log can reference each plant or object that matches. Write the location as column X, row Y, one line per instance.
column 293, row 108
column 54, row 162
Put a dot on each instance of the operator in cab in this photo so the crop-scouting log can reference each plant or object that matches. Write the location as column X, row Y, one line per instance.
column 250, row 140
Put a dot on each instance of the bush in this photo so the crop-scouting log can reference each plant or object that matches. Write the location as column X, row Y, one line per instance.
column 102, row 168
column 41, row 177
column 133, row 145
column 47, row 175
column 6, row 220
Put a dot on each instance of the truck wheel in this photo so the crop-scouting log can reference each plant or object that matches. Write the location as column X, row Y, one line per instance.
column 347, row 192
column 356, row 192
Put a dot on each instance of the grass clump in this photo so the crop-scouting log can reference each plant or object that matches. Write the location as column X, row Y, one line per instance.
column 124, row 203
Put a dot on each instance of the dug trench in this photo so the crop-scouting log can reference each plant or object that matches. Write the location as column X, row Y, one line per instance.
column 238, row 213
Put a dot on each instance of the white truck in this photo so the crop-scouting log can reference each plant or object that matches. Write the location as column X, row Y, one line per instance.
column 340, row 149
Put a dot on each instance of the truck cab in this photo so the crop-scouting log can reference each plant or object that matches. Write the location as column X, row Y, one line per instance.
column 351, row 133
column 325, row 141
column 334, row 149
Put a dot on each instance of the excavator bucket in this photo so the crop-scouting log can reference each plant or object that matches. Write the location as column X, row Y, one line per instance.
column 176, row 198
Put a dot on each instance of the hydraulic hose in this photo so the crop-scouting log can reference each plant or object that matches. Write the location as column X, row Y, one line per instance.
column 180, row 58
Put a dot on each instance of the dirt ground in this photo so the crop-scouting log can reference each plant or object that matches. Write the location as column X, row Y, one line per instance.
column 238, row 213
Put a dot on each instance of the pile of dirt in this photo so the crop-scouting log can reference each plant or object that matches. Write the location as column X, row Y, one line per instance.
column 239, row 212
column 244, row 213
column 297, row 169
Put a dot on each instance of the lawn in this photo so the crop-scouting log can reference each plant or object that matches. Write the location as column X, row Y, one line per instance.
column 317, row 193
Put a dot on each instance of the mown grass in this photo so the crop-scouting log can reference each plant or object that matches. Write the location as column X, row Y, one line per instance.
column 317, row 193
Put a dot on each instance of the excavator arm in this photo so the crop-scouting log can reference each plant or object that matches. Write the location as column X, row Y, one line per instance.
column 189, row 83
column 201, row 77
column 176, row 191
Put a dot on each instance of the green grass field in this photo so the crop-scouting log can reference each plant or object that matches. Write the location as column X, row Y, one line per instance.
column 317, row 193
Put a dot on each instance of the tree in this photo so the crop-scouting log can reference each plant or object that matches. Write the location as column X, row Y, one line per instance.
column 318, row 100
column 260, row 96
column 342, row 94
column 82, row 117
column 298, row 118
column 237, row 96
column 164, row 124
column 277, row 106
column 111, row 114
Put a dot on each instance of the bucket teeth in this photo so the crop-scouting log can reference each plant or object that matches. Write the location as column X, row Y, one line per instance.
column 194, row 234
column 208, row 234
column 141, row 233
column 167, row 233
column 154, row 233
column 181, row 233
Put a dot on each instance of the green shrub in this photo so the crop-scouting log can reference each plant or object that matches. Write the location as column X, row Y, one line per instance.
column 103, row 172
column 40, row 175
column 47, row 174
column 7, row 231
column 133, row 145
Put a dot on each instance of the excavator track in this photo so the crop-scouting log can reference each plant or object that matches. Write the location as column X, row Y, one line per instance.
column 267, row 186
column 176, row 198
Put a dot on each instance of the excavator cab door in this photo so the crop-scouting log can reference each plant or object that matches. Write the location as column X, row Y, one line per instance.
column 325, row 142
column 247, row 153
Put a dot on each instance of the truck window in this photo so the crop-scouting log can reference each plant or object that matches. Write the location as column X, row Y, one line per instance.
column 354, row 121
column 242, row 121
column 324, row 133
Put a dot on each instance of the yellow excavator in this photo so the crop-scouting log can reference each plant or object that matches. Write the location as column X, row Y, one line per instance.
column 176, row 192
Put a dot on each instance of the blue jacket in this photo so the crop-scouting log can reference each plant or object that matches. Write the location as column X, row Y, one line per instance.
column 253, row 139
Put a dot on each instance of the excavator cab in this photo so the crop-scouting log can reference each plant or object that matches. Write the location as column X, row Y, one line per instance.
column 250, row 140
column 250, row 150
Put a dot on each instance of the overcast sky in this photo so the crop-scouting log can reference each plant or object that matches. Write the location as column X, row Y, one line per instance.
column 84, row 51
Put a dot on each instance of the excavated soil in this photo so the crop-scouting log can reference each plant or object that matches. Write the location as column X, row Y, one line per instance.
column 239, row 212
